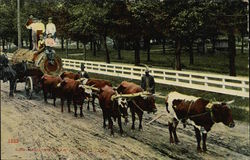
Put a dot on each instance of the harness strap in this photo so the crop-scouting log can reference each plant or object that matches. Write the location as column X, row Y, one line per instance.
column 189, row 108
column 137, row 105
column 209, row 107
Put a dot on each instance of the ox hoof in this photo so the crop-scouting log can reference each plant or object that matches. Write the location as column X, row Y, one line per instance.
column 81, row 115
column 177, row 141
column 75, row 115
column 199, row 150
column 204, row 149
column 171, row 141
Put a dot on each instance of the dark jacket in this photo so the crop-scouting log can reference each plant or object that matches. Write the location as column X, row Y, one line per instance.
column 84, row 74
column 151, row 82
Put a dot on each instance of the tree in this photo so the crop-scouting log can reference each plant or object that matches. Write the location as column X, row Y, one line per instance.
column 230, row 18
column 185, row 22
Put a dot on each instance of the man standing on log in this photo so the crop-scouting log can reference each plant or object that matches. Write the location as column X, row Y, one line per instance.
column 51, row 28
column 29, row 21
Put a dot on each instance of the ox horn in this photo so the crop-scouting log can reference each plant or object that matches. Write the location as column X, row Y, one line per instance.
column 58, row 85
column 81, row 79
column 230, row 102
column 92, row 88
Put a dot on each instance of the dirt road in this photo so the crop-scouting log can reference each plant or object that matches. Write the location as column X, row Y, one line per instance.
column 31, row 129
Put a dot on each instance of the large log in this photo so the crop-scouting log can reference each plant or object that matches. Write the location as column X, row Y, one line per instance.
column 38, row 60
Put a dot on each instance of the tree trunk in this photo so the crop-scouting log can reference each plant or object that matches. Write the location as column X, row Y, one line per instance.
column 3, row 43
column 137, row 52
column 213, row 45
column 191, row 54
column 62, row 43
column 106, row 49
column 242, row 43
column 178, row 55
column 94, row 48
column 91, row 45
column 99, row 45
column 164, row 46
column 148, row 51
column 85, row 52
column 77, row 44
column 232, row 52
column 67, row 47
column 119, row 50
column 203, row 47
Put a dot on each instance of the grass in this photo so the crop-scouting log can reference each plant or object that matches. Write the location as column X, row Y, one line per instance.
column 216, row 63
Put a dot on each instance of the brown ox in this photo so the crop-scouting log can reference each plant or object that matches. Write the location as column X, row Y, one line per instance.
column 97, row 83
column 71, row 90
column 112, row 108
column 49, row 84
column 197, row 112
column 70, row 75
column 137, row 104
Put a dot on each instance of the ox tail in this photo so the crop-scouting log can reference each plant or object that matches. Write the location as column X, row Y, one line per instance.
column 166, row 103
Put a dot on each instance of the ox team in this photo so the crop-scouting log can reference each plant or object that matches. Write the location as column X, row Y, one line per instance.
column 114, row 102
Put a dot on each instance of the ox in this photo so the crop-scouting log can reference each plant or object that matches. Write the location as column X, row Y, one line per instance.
column 70, row 75
column 71, row 90
column 137, row 104
column 112, row 107
column 197, row 112
column 97, row 83
column 49, row 84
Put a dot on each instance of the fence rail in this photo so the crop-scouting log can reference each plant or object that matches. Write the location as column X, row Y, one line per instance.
column 236, row 86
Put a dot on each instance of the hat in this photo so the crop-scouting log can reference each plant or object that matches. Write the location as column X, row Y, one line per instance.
column 50, row 18
column 31, row 16
column 82, row 65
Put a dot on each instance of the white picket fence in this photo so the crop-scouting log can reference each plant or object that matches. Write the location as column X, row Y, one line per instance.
column 237, row 86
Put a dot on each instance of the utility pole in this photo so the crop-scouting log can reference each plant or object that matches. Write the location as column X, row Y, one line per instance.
column 18, row 24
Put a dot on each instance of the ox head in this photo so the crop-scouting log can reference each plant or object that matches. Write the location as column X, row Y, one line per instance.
column 147, row 103
column 123, row 106
column 222, row 113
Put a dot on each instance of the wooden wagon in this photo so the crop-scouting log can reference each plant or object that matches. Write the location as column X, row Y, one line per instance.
column 37, row 65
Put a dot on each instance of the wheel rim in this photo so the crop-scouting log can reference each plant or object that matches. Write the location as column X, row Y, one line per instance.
column 29, row 87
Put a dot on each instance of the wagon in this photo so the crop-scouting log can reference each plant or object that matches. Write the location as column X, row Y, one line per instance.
column 37, row 65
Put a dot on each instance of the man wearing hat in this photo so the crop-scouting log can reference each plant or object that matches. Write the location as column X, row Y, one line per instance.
column 51, row 28
column 29, row 21
column 148, row 82
column 83, row 73
column 34, row 26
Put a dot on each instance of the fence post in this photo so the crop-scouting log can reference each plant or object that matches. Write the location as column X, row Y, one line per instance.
column 243, row 86
column 223, row 83
column 190, row 78
column 206, row 81
column 177, row 77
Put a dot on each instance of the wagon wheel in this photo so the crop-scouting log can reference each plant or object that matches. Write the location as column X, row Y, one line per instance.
column 29, row 87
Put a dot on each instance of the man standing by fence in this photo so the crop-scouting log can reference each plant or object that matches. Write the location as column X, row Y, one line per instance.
column 148, row 82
